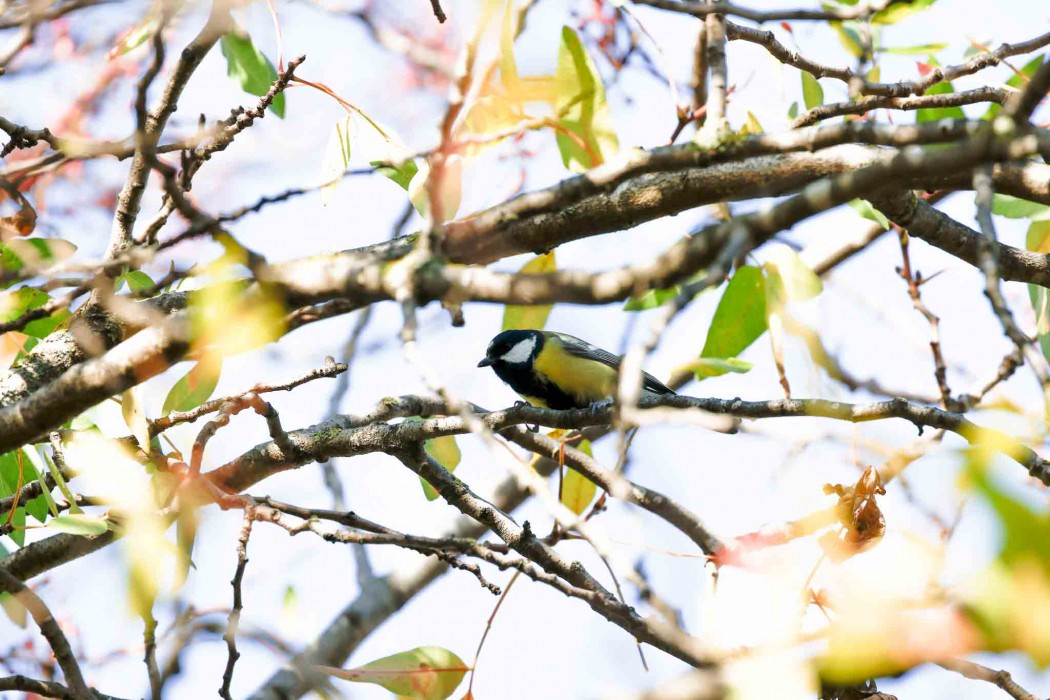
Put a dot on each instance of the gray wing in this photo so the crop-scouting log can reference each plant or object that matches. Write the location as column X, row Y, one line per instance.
column 581, row 348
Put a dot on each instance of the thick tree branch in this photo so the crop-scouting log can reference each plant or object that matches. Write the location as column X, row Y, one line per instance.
column 67, row 661
column 938, row 229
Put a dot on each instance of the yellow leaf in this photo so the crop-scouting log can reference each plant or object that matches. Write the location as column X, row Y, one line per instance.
column 585, row 133
column 531, row 317
column 577, row 491
column 135, row 417
column 110, row 473
column 446, row 452
column 423, row 673
column 229, row 320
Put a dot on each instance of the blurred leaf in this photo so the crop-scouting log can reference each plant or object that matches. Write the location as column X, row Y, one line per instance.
column 1038, row 241
column 865, row 209
column 900, row 10
column 136, row 36
column 535, row 317
column 1011, row 600
column 15, row 303
column 423, row 673
column 577, row 491
column 36, row 253
column 185, row 537
column 1017, row 208
column 652, row 299
column 914, row 50
column 336, row 159
column 137, row 280
column 109, row 472
column 288, row 623
column 43, row 327
column 751, row 126
column 812, row 92
column 14, row 610
column 934, row 114
column 43, row 505
column 18, row 522
column 450, row 190
column 1017, row 81
column 793, row 110
column 508, row 66
column 79, row 524
column 135, row 417
column 789, row 277
column 740, row 317
column 581, row 108
column 716, row 366
column 229, row 320
column 194, row 388
column 849, row 37
column 445, row 452
column 250, row 68
column 402, row 173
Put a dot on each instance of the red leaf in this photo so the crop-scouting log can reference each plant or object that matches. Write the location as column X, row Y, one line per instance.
column 787, row 27
column 924, row 68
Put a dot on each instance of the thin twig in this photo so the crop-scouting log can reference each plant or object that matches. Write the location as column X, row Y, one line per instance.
column 233, row 621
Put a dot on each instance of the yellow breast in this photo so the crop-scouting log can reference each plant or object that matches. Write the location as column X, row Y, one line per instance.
column 586, row 380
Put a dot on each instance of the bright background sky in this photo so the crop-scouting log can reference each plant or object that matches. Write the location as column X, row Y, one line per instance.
column 542, row 645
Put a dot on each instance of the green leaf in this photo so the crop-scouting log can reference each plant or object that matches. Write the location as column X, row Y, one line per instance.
column 402, row 173
column 194, row 388
column 793, row 110
column 865, row 209
column 934, row 114
column 531, row 317
column 36, row 253
column 740, row 317
column 250, row 68
column 15, row 303
column 652, row 299
column 445, row 452
column 43, row 504
column 43, row 327
column 789, row 276
column 18, row 534
column 136, row 280
column 1017, row 208
column 716, row 366
column 37, row 507
column 849, row 37
column 79, row 524
column 900, row 10
column 581, row 108
column 1017, row 81
column 913, row 50
column 8, row 475
column 577, row 491
column 1038, row 241
column 812, row 92
column 423, row 673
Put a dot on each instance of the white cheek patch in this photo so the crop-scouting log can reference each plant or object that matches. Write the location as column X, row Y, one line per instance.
column 520, row 352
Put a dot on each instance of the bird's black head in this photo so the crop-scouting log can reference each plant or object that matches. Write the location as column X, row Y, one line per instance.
column 513, row 348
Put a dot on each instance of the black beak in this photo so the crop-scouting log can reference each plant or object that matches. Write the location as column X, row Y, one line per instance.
column 485, row 363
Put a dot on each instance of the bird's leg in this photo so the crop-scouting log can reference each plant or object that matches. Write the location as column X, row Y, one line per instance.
column 530, row 428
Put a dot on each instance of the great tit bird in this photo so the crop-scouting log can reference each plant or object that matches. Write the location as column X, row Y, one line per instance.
column 555, row 370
